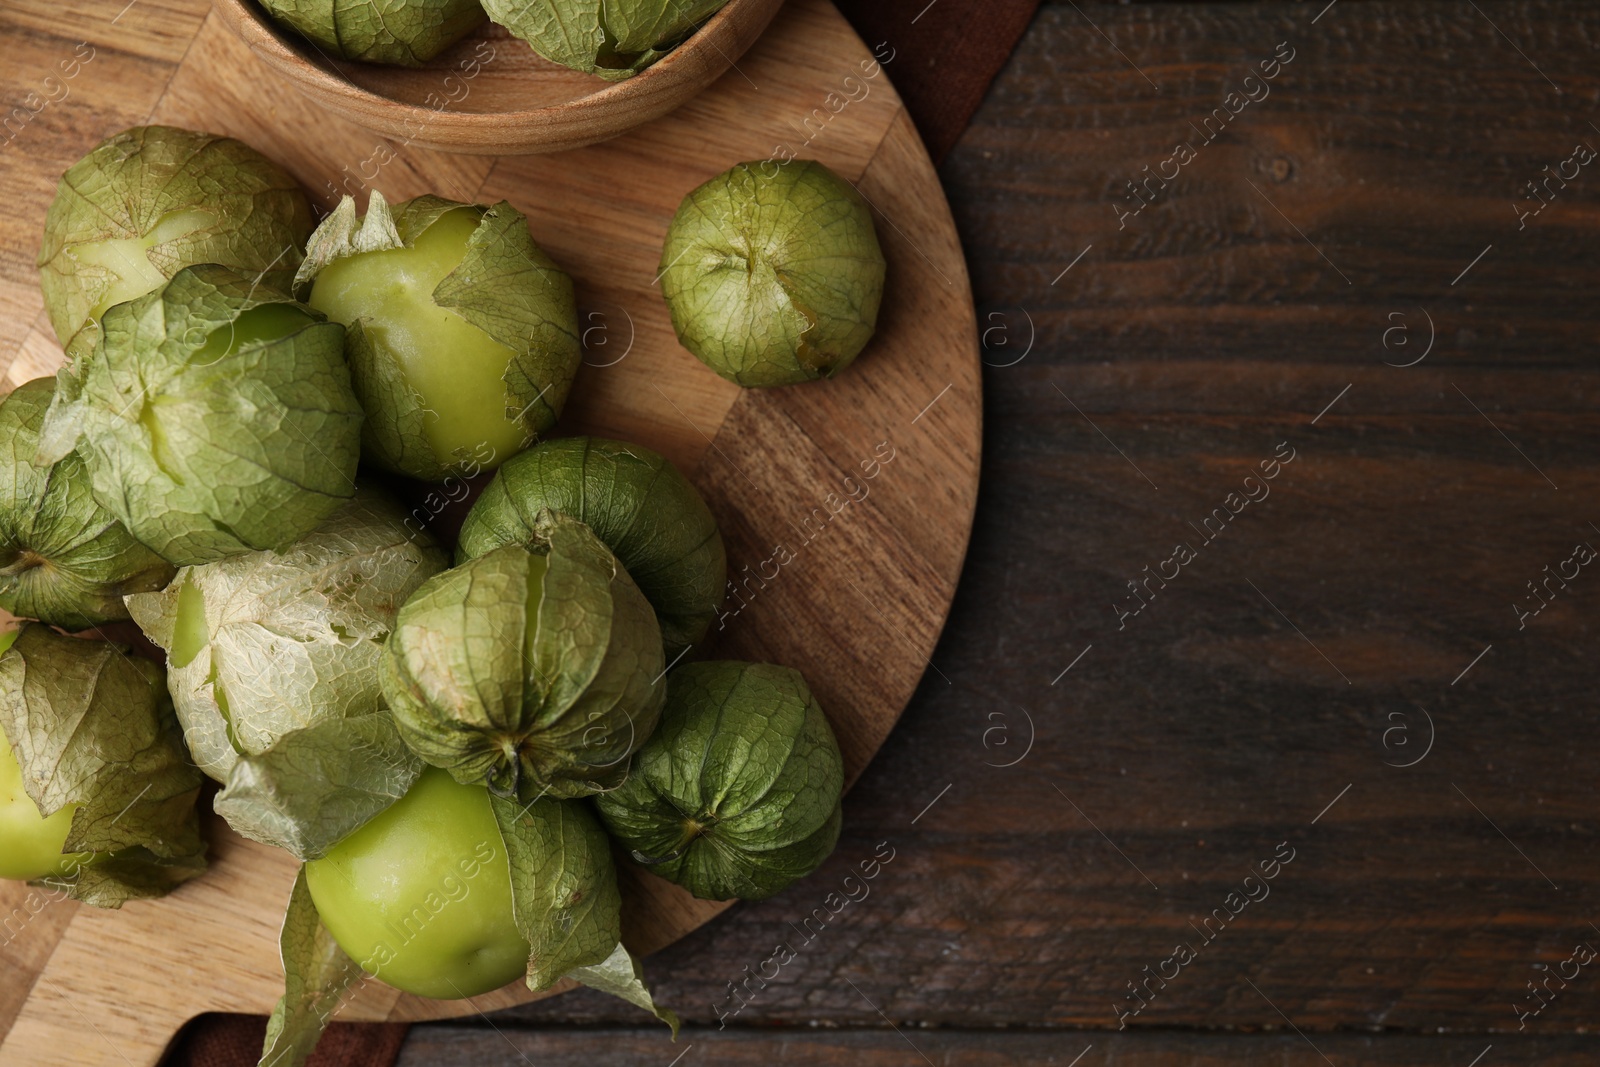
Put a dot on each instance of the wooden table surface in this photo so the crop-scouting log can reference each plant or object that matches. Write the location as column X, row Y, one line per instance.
column 1350, row 673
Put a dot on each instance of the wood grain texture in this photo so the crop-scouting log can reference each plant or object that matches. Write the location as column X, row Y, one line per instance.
column 1210, row 728
column 518, row 101
column 456, row 1045
column 875, row 578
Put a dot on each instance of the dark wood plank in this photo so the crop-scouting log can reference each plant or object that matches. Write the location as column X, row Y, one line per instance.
column 448, row 1046
column 1298, row 650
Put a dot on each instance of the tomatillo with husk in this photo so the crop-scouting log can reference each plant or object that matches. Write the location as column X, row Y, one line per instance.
column 406, row 33
column 31, row 844
column 534, row 672
column 215, row 416
column 64, row 558
column 614, row 39
column 635, row 501
column 737, row 794
column 152, row 200
column 450, row 893
column 773, row 273
column 92, row 734
column 273, row 666
column 462, row 334
column 420, row 897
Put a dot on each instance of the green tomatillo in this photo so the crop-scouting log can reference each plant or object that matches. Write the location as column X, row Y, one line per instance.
column 273, row 666
column 406, row 33
column 614, row 39
column 91, row 743
column 737, row 794
column 152, row 200
column 31, row 844
column 462, row 334
column 635, row 501
column 534, row 672
column 63, row 558
column 420, row 896
column 773, row 273
column 451, row 893
column 215, row 416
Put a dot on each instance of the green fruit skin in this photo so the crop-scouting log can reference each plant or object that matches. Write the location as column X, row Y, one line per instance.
column 30, row 844
column 152, row 200
column 457, row 370
column 64, row 559
column 635, row 501
column 421, row 895
column 773, row 273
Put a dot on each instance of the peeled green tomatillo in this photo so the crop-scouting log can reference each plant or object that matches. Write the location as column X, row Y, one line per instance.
column 407, row 33
column 453, row 892
column 532, row 672
column 637, row 502
column 63, row 558
column 462, row 334
column 154, row 199
column 737, row 794
column 421, row 895
column 215, row 416
column 773, row 274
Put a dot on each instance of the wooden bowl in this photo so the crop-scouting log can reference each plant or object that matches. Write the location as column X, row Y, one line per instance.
column 490, row 94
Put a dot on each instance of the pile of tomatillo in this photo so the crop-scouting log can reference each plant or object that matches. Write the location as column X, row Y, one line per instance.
column 455, row 740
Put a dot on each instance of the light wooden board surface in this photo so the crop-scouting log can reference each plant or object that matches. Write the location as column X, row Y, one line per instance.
column 858, row 610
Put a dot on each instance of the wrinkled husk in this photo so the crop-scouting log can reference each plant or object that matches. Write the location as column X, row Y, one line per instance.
column 636, row 502
column 773, row 273
column 92, row 726
column 737, row 794
column 553, row 713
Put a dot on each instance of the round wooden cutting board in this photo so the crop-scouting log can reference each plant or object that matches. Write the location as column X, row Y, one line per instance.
column 869, row 481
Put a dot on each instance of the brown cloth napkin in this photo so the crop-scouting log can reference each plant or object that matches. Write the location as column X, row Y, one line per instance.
column 235, row 1041
column 946, row 54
